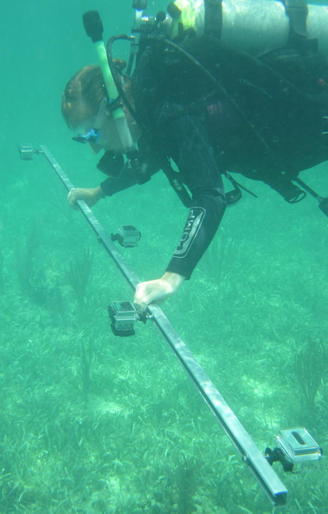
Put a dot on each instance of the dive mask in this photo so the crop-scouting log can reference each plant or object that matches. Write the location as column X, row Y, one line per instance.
column 91, row 136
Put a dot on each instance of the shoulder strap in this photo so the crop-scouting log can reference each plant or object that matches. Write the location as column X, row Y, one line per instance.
column 213, row 18
column 297, row 12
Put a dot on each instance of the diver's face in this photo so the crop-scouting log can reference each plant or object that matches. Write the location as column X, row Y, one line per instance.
column 103, row 131
column 89, row 126
column 108, row 135
column 106, row 138
column 77, row 109
column 80, row 114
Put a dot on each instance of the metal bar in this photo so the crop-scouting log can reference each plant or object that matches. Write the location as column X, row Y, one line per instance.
column 101, row 233
column 251, row 455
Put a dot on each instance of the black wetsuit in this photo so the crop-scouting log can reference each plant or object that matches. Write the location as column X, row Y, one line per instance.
column 254, row 124
column 189, row 146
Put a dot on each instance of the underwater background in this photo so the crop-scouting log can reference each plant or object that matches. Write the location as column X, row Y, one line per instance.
column 92, row 423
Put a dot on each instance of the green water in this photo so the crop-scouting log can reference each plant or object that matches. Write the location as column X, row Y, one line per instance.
column 90, row 423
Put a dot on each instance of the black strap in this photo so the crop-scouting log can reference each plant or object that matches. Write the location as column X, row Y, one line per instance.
column 213, row 18
column 297, row 12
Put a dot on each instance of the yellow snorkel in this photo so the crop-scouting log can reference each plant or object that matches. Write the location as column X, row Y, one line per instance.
column 94, row 29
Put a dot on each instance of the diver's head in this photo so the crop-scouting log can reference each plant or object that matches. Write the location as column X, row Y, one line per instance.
column 82, row 97
column 86, row 110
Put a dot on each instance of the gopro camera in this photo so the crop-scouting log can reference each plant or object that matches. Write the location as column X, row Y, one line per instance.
column 26, row 152
column 295, row 446
column 298, row 445
column 127, row 236
column 123, row 316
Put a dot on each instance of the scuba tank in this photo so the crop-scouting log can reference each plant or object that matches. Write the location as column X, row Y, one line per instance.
column 254, row 26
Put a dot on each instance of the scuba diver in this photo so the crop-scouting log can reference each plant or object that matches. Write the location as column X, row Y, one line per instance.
column 209, row 108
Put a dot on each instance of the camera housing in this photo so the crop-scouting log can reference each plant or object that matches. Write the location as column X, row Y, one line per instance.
column 127, row 236
column 26, row 152
column 298, row 445
column 295, row 446
column 123, row 316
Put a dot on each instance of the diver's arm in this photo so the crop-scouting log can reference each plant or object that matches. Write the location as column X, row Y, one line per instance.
column 196, row 159
column 108, row 187
column 202, row 223
column 113, row 185
column 135, row 172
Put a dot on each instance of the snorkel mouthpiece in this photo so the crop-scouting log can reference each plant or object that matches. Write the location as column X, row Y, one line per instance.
column 94, row 29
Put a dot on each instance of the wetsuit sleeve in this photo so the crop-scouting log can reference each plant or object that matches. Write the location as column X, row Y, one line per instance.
column 113, row 185
column 191, row 149
column 130, row 176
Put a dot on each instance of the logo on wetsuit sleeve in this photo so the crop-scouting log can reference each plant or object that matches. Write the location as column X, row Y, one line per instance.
column 192, row 227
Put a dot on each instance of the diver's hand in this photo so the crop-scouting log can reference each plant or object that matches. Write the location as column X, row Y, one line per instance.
column 156, row 290
column 89, row 195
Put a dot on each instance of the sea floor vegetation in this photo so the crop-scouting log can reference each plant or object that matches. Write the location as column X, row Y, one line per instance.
column 91, row 423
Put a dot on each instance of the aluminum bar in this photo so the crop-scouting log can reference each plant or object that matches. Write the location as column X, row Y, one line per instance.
column 251, row 455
